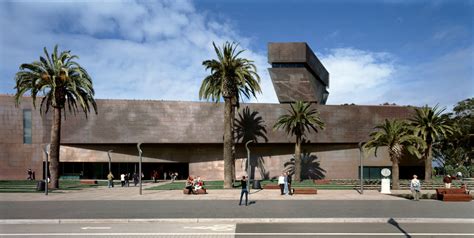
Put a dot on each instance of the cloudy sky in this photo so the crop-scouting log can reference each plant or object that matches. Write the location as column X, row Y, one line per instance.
column 404, row 52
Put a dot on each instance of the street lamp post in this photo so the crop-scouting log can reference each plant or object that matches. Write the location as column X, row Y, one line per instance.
column 110, row 161
column 140, row 165
column 46, row 151
column 361, row 152
column 248, row 164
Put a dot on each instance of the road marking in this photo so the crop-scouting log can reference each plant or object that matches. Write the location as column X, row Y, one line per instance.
column 241, row 234
column 217, row 227
column 95, row 228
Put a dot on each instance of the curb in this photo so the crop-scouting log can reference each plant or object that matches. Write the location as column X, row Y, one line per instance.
column 239, row 220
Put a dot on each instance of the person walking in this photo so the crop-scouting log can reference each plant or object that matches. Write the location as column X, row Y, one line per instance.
column 285, row 184
column 127, row 179
column 122, row 179
column 244, row 190
column 110, row 179
column 415, row 187
column 288, row 180
column 164, row 176
column 447, row 181
column 135, row 179
column 281, row 183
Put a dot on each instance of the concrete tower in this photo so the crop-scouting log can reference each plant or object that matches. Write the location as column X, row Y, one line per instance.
column 297, row 74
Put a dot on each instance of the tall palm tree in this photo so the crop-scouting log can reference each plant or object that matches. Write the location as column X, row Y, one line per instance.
column 299, row 121
column 61, row 81
column 430, row 125
column 231, row 78
column 397, row 137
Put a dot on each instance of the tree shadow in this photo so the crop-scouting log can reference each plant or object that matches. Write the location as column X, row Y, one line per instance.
column 310, row 167
column 251, row 126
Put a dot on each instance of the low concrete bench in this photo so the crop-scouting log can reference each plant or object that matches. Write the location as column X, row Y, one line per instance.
column 271, row 186
column 199, row 191
column 452, row 194
column 305, row 191
column 456, row 197
column 87, row 181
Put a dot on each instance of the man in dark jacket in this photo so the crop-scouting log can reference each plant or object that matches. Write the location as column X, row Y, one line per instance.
column 288, row 178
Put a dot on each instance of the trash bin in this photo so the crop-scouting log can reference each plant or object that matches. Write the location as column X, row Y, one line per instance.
column 256, row 184
column 40, row 185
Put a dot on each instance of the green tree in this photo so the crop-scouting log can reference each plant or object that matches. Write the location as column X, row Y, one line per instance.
column 456, row 149
column 61, row 82
column 231, row 78
column 299, row 121
column 430, row 125
column 397, row 137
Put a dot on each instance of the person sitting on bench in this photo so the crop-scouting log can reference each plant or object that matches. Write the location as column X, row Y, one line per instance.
column 190, row 185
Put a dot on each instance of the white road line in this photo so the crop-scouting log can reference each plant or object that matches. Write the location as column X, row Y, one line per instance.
column 96, row 228
column 241, row 234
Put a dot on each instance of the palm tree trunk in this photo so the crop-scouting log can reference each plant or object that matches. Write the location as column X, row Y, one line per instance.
column 227, row 143
column 232, row 120
column 428, row 162
column 298, row 159
column 54, row 148
column 395, row 175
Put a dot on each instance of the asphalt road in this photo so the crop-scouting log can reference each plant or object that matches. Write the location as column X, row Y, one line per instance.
column 392, row 229
column 230, row 209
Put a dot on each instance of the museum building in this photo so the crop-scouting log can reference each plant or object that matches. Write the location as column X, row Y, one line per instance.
column 187, row 137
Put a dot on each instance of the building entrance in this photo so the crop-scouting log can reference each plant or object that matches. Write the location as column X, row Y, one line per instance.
column 90, row 170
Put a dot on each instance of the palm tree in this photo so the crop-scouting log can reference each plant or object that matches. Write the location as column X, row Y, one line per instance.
column 398, row 138
column 231, row 78
column 299, row 120
column 430, row 125
column 61, row 81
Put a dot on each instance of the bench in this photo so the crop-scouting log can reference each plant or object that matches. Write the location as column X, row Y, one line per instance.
column 452, row 194
column 199, row 191
column 87, row 181
column 271, row 186
column 305, row 191
column 321, row 181
column 456, row 197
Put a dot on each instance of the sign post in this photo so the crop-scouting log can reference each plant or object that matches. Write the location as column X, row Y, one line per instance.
column 385, row 181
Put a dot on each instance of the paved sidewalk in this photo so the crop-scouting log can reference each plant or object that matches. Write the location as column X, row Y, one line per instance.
column 132, row 193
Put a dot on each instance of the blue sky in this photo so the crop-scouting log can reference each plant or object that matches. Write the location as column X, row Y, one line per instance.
column 403, row 52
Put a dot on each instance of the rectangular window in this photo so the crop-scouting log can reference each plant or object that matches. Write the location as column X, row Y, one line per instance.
column 27, row 137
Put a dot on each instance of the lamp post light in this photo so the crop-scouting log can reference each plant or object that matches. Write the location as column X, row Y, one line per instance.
column 46, row 151
column 248, row 164
column 361, row 152
column 140, row 166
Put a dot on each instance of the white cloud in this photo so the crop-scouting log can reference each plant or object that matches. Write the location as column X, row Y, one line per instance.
column 357, row 76
column 136, row 50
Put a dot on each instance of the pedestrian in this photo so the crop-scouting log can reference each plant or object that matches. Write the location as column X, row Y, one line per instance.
column 155, row 176
column 164, row 176
column 288, row 179
column 122, row 179
column 447, row 181
column 281, row 183
column 34, row 176
column 110, row 179
column 285, row 185
column 30, row 174
column 415, row 187
column 244, row 190
column 135, row 179
column 127, row 179
column 190, row 185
